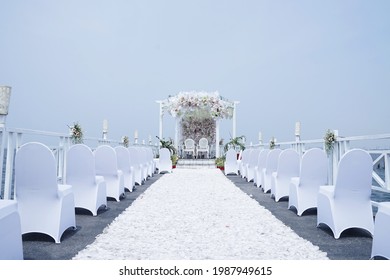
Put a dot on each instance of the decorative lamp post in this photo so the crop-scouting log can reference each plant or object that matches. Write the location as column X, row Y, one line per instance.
column 260, row 138
column 298, row 137
column 297, row 131
column 5, row 95
column 105, row 129
column 136, row 137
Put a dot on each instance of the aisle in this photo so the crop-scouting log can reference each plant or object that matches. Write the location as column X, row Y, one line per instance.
column 197, row 214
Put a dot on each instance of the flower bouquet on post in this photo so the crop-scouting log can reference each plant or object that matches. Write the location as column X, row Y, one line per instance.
column 76, row 133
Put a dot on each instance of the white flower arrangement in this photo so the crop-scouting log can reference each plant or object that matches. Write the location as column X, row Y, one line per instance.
column 76, row 133
column 125, row 141
column 191, row 101
column 329, row 140
column 272, row 143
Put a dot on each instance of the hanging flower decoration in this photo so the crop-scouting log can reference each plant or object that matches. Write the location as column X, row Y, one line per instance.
column 76, row 133
column 329, row 140
column 218, row 107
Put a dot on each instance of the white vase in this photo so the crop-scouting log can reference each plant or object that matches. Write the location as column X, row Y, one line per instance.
column 5, row 94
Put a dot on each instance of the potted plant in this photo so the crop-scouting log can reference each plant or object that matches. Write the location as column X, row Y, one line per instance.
column 167, row 144
column 236, row 143
column 220, row 162
column 174, row 159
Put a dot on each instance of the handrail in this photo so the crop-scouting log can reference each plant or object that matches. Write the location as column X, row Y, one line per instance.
column 12, row 139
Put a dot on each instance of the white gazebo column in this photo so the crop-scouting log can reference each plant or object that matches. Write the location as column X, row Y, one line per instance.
column 177, row 134
column 161, row 114
column 234, row 119
column 217, row 138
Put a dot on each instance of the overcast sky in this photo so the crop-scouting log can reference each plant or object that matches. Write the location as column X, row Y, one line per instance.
column 323, row 63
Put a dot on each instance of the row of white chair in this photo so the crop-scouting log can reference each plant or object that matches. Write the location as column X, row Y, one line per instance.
column 303, row 180
column 42, row 205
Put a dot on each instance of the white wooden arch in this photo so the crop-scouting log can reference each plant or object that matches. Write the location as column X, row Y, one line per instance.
column 219, row 107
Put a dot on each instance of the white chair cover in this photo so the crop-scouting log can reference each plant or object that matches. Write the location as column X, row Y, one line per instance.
column 123, row 159
column 381, row 239
column 44, row 205
column 261, row 162
column 165, row 162
column 231, row 164
column 251, row 164
column 138, row 169
column 271, row 166
column 88, row 188
column 106, row 165
column 347, row 204
column 313, row 174
column 11, row 246
column 288, row 167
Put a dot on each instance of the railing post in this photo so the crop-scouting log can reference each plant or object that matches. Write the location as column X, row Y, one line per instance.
column 335, row 157
column 8, row 186
column 3, row 140
column 387, row 170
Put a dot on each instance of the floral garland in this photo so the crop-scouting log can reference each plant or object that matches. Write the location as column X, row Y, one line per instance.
column 191, row 101
column 76, row 133
column 330, row 139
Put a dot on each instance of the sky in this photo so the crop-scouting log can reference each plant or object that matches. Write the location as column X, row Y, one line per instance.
column 323, row 63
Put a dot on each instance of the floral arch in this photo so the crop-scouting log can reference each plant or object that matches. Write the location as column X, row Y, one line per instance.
column 198, row 115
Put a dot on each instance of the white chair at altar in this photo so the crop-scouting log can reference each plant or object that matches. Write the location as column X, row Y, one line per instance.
column 203, row 147
column 189, row 147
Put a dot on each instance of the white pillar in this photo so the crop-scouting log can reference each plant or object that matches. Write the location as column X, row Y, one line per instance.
column 161, row 115
column 234, row 119
column 177, row 134
column 217, row 138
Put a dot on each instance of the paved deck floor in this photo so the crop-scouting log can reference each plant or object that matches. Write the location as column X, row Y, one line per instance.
column 352, row 245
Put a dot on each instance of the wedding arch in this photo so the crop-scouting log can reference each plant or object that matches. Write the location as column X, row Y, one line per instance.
column 197, row 115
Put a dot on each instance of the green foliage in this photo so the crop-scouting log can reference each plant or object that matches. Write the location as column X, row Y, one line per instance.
column 220, row 161
column 125, row 141
column 76, row 133
column 235, row 143
column 167, row 144
column 272, row 143
column 330, row 139
column 174, row 159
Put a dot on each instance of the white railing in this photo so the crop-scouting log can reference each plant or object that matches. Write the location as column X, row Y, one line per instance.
column 12, row 139
column 377, row 145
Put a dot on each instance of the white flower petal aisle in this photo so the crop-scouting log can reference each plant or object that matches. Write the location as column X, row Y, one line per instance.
column 198, row 214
